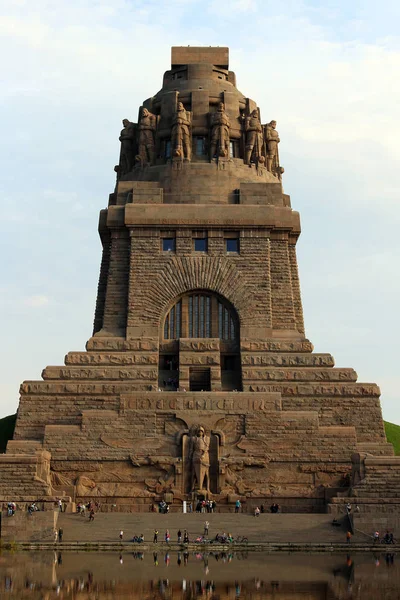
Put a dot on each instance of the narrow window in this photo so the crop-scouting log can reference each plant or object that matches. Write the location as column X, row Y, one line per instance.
column 168, row 244
column 167, row 152
column 232, row 245
column 200, row 146
column 200, row 244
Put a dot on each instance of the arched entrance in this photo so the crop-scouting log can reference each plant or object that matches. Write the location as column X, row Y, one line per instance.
column 199, row 316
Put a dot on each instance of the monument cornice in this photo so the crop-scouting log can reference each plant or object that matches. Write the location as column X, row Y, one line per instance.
column 142, row 215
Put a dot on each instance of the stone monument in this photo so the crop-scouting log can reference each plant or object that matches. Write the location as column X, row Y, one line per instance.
column 199, row 380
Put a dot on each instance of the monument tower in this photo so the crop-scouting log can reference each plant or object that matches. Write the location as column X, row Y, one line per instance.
column 198, row 380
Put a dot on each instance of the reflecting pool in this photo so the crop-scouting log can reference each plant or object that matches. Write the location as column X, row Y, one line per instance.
column 191, row 575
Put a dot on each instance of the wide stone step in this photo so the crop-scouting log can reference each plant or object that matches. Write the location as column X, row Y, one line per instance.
column 266, row 527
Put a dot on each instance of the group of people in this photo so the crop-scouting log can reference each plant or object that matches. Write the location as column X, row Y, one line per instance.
column 204, row 506
column 274, row 509
column 388, row 538
column 167, row 536
column 136, row 538
column 90, row 507
column 163, row 507
column 32, row 508
column 58, row 535
column 11, row 508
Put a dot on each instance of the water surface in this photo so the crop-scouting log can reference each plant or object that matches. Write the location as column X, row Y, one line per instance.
column 192, row 575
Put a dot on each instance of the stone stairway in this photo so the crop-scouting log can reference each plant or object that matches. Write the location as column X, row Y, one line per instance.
column 290, row 528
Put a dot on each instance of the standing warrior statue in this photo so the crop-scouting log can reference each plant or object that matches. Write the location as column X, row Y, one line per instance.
column 147, row 128
column 199, row 459
column 272, row 140
column 220, row 132
column 180, row 136
column 253, row 131
column 127, row 138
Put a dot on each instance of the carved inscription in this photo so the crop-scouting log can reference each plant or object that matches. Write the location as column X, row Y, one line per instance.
column 145, row 344
column 193, row 358
column 273, row 346
column 300, row 375
column 288, row 360
column 208, row 403
column 120, row 358
column 199, row 345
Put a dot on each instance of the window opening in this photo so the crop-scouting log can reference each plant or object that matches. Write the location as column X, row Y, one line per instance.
column 198, row 317
column 200, row 244
column 232, row 245
column 200, row 146
column 168, row 244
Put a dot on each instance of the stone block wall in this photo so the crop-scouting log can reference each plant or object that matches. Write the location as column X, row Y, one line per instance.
column 23, row 527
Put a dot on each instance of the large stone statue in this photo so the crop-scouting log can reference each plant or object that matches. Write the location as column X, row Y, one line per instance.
column 180, row 137
column 147, row 129
column 220, row 132
column 199, row 459
column 272, row 140
column 127, row 139
column 253, row 131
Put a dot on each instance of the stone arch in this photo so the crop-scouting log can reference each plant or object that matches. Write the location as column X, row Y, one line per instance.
column 185, row 274
column 205, row 314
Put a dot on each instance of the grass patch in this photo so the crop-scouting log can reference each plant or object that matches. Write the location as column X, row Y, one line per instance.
column 393, row 436
column 7, row 426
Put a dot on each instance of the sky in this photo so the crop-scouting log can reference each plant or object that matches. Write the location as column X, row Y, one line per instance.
column 327, row 72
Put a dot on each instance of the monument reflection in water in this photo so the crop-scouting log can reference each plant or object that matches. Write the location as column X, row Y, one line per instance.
column 184, row 575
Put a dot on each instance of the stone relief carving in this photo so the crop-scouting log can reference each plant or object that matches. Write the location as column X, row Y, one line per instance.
column 199, row 458
column 272, row 140
column 127, row 139
column 147, row 129
column 254, row 141
column 88, row 488
column 180, row 135
column 220, row 126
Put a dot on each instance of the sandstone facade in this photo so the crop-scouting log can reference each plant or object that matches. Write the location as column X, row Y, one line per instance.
column 199, row 361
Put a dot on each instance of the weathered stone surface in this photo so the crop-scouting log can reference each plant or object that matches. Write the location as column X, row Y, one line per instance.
column 199, row 377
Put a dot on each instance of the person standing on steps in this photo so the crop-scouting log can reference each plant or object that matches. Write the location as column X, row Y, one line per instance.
column 167, row 537
column 55, row 535
column 237, row 506
column 60, row 534
column 179, row 536
column 155, row 537
column 348, row 537
column 206, row 526
column 121, row 535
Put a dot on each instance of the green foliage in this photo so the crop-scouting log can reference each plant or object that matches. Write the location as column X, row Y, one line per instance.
column 6, row 430
column 393, row 435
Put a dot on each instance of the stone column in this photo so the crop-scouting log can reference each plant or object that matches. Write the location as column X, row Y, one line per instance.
column 294, row 273
column 102, row 286
column 283, row 315
column 116, row 297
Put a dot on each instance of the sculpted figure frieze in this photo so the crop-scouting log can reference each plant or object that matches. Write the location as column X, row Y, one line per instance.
column 272, row 140
column 147, row 129
column 180, row 134
column 199, row 458
column 127, row 139
column 220, row 126
column 254, row 141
